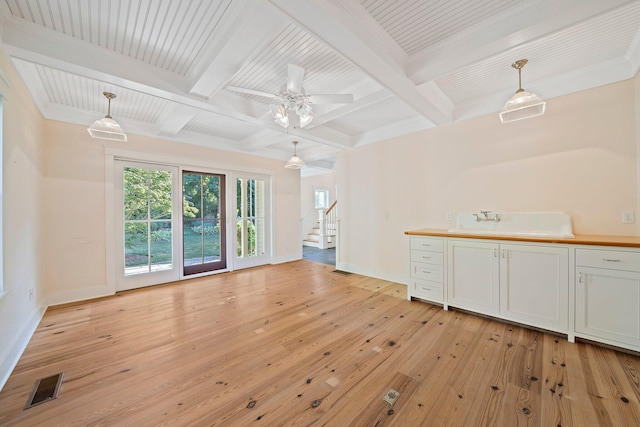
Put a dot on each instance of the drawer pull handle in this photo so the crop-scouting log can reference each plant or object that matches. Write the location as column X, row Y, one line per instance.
column 579, row 277
column 426, row 289
column 426, row 272
column 426, row 257
column 611, row 260
column 426, row 244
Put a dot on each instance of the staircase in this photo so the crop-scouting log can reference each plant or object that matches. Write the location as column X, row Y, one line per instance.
column 323, row 235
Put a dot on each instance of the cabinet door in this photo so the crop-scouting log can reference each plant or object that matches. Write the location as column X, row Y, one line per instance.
column 473, row 276
column 534, row 285
column 608, row 305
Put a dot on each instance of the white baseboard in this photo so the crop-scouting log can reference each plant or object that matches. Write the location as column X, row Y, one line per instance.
column 286, row 258
column 79, row 295
column 378, row 274
column 14, row 351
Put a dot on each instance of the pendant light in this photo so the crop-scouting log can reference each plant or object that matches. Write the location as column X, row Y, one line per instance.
column 523, row 104
column 295, row 162
column 106, row 127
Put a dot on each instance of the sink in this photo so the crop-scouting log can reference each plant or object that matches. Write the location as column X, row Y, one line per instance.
column 517, row 224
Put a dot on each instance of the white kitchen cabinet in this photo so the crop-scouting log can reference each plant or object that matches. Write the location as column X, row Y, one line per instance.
column 534, row 285
column 587, row 287
column 473, row 276
column 523, row 283
column 427, row 269
column 608, row 296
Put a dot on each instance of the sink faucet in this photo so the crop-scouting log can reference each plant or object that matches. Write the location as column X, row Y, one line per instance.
column 484, row 216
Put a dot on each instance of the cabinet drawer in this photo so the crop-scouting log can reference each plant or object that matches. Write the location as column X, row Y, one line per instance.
column 425, row 244
column 427, row 257
column 615, row 260
column 427, row 289
column 427, row 271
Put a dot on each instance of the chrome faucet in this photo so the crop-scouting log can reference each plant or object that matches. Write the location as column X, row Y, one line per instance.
column 484, row 216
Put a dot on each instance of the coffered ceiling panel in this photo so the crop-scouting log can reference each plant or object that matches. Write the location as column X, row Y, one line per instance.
column 409, row 64
column 417, row 24
column 165, row 34
column 326, row 72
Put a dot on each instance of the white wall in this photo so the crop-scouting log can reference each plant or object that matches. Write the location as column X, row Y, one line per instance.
column 581, row 157
column 75, row 200
column 308, row 185
column 22, row 209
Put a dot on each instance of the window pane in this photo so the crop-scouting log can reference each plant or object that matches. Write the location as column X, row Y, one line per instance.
column 192, row 203
column 211, row 241
column 136, row 193
column 210, row 195
column 136, row 253
column 160, row 245
column 192, row 241
column 250, row 224
column 148, row 243
column 160, row 194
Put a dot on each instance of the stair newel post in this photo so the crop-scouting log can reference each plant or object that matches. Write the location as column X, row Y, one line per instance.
column 322, row 224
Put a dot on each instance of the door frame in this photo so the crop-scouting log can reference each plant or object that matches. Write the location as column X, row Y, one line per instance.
column 203, row 268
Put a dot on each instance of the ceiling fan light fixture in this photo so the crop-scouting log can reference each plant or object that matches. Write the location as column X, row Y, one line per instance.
column 306, row 119
column 295, row 162
column 106, row 127
column 303, row 109
column 523, row 104
column 280, row 115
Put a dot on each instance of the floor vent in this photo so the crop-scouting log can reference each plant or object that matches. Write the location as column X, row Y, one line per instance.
column 344, row 273
column 44, row 390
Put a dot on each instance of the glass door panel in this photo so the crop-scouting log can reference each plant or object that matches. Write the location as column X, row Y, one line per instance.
column 147, row 240
column 203, row 222
column 251, row 221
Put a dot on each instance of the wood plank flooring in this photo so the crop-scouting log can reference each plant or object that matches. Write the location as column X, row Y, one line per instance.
column 300, row 345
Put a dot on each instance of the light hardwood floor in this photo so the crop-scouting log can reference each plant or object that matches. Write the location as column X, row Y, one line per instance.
column 298, row 344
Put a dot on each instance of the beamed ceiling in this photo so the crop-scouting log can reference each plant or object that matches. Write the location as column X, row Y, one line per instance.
column 410, row 64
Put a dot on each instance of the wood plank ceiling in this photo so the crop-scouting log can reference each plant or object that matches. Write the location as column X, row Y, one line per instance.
column 410, row 64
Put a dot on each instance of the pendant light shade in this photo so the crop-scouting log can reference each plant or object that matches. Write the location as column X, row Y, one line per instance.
column 523, row 104
column 106, row 127
column 295, row 162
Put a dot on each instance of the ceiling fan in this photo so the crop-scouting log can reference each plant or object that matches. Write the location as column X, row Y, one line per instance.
column 293, row 99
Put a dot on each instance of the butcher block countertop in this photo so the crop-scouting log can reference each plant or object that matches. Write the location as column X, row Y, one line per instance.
column 580, row 239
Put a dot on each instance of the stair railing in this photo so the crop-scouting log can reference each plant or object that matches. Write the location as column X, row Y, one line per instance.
column 327, row 225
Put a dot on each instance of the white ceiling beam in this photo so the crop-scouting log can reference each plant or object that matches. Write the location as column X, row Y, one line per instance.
column 359, row 104
column 633, row 54
column 503, row 32
column 329, row 21
column 174, row 118
column 248, row 27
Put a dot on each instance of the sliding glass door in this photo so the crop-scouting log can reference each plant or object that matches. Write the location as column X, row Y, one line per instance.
column 203, row 218
column 170, row 223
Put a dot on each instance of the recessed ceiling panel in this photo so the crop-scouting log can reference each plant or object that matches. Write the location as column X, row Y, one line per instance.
column 57, row 87
column 418, row 24
column 326, row 72
column 165, row 34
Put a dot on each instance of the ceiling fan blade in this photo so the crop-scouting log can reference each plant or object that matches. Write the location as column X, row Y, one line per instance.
column 251, row 92
column 294, row 78
column 345, row 98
